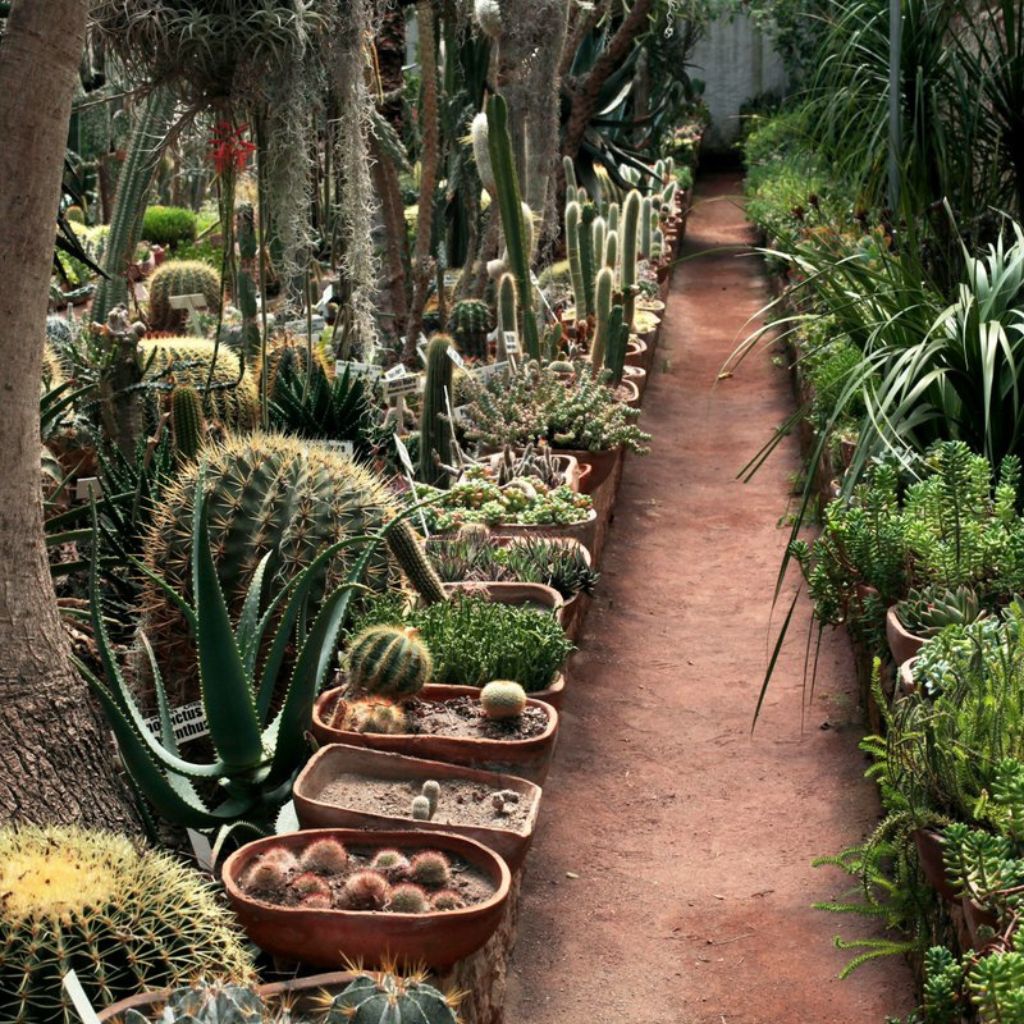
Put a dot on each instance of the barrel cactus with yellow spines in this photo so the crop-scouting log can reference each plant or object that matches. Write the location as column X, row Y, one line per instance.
column 271, row 493
column 232, row 398
column 125, row 920
column 384, row 996
column 389, row 661
column 288, row 353
column 180, row 277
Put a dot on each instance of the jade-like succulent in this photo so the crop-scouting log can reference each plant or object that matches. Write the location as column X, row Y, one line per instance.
column 388, row 661
column 408, row 898
column 366, row 890
column 503, row 699
column 430, row 868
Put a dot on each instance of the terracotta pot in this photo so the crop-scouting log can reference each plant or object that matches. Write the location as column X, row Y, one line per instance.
column 337, row 759
column 327, row 938
column 637, row 377
column 977, row 917
column 903, row 644
column 298, row 994
column 553, row 694
column 602, row 464
column 514, row 593
column 636, row 352
column 529, row 759
column 908, row 684
column 582, row 532
column 929, row 856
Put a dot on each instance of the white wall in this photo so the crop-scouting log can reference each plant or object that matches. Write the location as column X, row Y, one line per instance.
column 737, row 61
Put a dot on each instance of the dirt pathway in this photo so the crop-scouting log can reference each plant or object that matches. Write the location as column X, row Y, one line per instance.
column 691, row 842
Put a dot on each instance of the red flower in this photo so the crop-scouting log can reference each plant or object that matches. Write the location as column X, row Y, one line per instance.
column 229, row 150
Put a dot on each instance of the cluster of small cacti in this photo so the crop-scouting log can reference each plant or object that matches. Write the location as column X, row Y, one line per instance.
column 176, row 278
column 388, row 661
column 470, row 323
column 325, row 875
column 127, row 920
column 424, row 804
column 370, row 715
column 502, row 699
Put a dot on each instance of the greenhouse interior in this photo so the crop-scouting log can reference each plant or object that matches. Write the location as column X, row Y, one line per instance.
column 511, row 511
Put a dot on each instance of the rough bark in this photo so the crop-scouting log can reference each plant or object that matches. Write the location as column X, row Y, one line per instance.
column 56, row 764
column 389, row 193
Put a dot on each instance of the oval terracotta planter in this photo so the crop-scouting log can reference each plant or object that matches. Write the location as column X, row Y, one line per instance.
column 903, row 645
column 637, row 376
column 636, row 352
column 582, row 532
column 929, row 856
column 514, row 593
column 327, row 938
column 338, row 758
column 976, row 917
column 529, row 759
column 566, row 463
column 602, row 465
column 299, row 994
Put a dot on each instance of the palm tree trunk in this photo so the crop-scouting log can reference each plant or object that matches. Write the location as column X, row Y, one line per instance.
column 56, row 763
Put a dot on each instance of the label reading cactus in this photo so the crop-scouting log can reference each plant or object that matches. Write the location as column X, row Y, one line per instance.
column 79, row 999
column 369, row 370
column 456, row 357
column 485, row 373
column 187, row 722
column 511, row 343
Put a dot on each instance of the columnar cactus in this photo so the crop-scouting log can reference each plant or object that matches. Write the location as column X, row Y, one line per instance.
column 571, row 185
column 507, row 320
column 613, row 216
column 588, row 262
column 573, row 215
column 611, row 251
column 646, row 226
column 388, row 661
column 629, row 241
column 600, row 237
column 379, row 997
column 617, row 343
column 180, row 277
column 187, row 424
column 435, row 427
column 603, row 310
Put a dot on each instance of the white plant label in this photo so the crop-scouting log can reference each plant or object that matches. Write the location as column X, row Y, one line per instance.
column 511, row 343
column 456, row 357
column 193, row 303
column 202, row 850
column 407, row 384
column 85, row 1010
column 187, row 722
column 369, row 370
column 87, row 488
column 396, row 371
column 403, row 456
column 485, row 373
column 421, row 350
column 345, row 447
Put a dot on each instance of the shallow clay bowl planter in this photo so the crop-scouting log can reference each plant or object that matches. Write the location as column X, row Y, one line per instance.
column 326, row 938
column 299, row 994
column 903, row 644
column 513, row 593
column 582, row 532
column 602, row 465
column 636, row 352
column 329, row 762
column 929, row 856
column 528, row 759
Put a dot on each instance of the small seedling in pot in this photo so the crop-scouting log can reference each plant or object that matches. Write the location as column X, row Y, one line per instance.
column 432, row 791
column 409, row 898
column 503, row 800
column 421, row 808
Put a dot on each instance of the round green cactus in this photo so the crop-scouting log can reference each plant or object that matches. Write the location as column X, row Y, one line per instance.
column 125, row 919
column 185, row 362
column 324, row 857
column 469, row 323
column 409, row 898
column 503, row 699
column 430, row 868
column 382, row 996
column 180, row 277
column 389, row 661
column 366, row 890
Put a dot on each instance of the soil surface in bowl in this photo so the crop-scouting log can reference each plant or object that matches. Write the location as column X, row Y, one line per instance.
column 462, row 717
column 461, row 802
column 297, row 884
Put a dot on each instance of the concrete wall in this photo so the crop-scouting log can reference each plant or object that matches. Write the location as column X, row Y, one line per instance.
column 738, row 62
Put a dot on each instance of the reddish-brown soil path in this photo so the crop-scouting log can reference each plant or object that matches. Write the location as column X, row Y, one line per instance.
column 671, row 880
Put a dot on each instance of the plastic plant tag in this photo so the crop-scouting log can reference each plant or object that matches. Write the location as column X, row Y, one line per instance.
column 192, row 303
column 456, row 357
column 406, row 384
column 511, row 343
column 396, row 371
column 87, row 488
column 370, row 370
column 486, row 372
column 202, row 850
column 345, row 447
column 403, row 455
column 85, row 1010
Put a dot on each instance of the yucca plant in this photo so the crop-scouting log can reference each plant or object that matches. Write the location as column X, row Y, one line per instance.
column 258, row 750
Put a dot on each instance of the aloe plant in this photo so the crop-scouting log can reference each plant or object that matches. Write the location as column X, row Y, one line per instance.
column 258, row 751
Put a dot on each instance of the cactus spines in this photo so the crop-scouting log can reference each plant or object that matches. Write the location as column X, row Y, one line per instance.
column 390, row 863
column 389, row 661
column 603, row 310
column 629, row 242
column 324, row 857
column 421, row 808
column 366, row 890
column 447, row 899
column 382, row 717
column 469, row 322
column 317, row 901
column 432, row 791
column 382, row 996
column 408, row 551
column 268, row 874
column 187, row 424
column 138, row 919
column 180, row 277
column 488, row 17
column 600, row 237
column 310, row 884
column 611, row 250
column 618, row 342
column 613, row 216
column 570, row 175
column 409, row 898
column 588, row 214
column 502, row 699
column 517, row 234
column 646, row 227
column 482, row 152
column 430, row 868
column 507, row 319
column 573, row 215
column 435, row 429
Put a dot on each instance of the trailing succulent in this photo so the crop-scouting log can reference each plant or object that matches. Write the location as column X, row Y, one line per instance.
column 537, row 404
column 125, row 920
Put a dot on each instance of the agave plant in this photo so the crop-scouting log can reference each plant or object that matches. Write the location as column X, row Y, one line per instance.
column 258, row 750
column 927, row 612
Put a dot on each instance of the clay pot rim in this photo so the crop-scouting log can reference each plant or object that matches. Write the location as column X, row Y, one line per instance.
column 448, row 691
column 591, row 516
column 456, row 772
column 425, row 840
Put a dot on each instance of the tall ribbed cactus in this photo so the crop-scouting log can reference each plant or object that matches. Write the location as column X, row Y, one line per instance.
column 572, row 249
column 618, row 340
column 187, row 424
column 133, row 184
column 611, row 250
column 245, row 232
column 613, row 217
column 600, row 236
column 435, row 430
column 507, row 319
column 470, row 322
column 646, row 226
column 512, row 219
column 588, row 214
column 603, row 303
column 629, row 242
column 571, row 184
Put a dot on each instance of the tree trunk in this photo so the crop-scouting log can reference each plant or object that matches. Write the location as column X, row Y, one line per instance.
column 56, row 761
